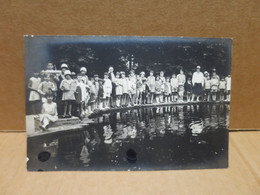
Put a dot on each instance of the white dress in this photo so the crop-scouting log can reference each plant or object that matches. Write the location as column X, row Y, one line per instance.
column 107, row 87
column 69, row 88
column 49, row 110
column 118, row 83
column 124, row 85
column 151, row 83
column 228, row 83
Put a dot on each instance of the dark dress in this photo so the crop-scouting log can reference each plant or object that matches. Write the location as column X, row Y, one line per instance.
column 188, row 88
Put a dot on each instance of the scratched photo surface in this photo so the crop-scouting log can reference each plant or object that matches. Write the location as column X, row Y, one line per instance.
column 127, row 103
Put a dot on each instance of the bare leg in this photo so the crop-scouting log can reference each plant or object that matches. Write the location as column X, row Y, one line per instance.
column 65, row 109
column 151, row 98
column 69, row 112
column 192, row 98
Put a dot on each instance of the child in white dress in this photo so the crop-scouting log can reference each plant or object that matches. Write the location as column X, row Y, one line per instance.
column 181, row 82
column 68, row 87
column 143, row 88
column 222, row 87
column 47, row 86
column 49, row 112
column 81, row 96
column 124, row 89
column 162, row 79
column 174, row 88
column 214, row 83
column 228, row 87
column 107, row 89
column 167, row 90
column 34, row 97
column 207, row 86
column 151, row 85
column 119, row 90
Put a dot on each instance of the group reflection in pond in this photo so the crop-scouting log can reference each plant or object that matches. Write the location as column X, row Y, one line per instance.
column 155, row 123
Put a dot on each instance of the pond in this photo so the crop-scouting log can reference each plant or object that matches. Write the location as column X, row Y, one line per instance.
column 160, row 138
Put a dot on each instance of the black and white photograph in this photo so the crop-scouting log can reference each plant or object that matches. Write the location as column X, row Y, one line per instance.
column 127, row 103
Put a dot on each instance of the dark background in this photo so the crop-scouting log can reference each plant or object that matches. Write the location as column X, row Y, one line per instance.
column 169, row 54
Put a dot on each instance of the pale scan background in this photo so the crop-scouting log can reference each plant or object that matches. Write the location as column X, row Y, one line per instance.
column 238, row 19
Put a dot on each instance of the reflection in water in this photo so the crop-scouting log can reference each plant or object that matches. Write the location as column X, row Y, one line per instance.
column 164, row 137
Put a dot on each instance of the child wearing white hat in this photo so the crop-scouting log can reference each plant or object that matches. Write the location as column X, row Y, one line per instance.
column 68, row 87
column 228, row 87
column 107, row 89
column 83, row 72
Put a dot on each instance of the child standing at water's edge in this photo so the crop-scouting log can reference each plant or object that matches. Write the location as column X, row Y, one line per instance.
column 222, row 86
column 49, row 112
column 167, row 90
column 68, row 87
column 174, row 88
column 181, row 81
column 107, row 89
column 46, row 87
column 34, row 97
column 188, row 89
column 118, row 90
column 228, row 87
column 158, row 89
column 151, row 85
column 162, row 79
column 124, row 89
column 207, row 86
column 214, row 83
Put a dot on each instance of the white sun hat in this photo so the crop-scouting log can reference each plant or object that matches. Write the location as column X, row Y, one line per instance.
column 67, row 72
column 83, row 69
column 64, row 66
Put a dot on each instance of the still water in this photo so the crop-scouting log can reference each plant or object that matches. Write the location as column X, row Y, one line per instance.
column 173, row 137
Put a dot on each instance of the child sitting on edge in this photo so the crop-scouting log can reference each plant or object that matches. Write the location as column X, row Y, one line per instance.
column 188, row 89
column 49, row 112
column 167, row 90
column 222, row 86
column 228, row 87
column 158, row 89
column 174, row 87
column 214, row 87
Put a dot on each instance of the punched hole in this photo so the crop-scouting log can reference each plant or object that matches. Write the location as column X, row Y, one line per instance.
column 44, row 156
column 131, row 155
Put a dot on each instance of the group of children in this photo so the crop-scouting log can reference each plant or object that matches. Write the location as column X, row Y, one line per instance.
column 79, row 95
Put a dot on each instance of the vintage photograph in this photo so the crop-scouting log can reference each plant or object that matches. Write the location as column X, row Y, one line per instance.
column 127, row 103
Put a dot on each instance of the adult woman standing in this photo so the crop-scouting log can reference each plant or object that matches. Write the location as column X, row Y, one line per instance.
column 197, row 82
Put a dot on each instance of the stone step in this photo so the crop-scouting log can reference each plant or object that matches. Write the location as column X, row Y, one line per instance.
column 60, row 122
